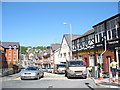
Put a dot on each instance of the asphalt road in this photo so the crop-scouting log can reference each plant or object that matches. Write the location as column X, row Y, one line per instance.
column 49, row 81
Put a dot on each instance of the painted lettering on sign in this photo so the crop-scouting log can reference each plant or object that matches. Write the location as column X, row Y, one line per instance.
column 90, row 52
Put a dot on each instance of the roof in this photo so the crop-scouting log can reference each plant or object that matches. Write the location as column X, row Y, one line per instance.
column 86, row 33
column 1, row 51
column 68, row 38
column 7, row 44
column 54, row 47
column 107, row 19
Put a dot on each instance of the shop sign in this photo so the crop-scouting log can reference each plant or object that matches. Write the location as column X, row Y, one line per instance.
column 114, row 42
column 90, row 52
column 99, row 45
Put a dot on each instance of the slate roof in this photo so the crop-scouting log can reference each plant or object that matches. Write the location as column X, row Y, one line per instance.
column 7, row 44
column 68, row 38
column 54, row 47
column 86, row 33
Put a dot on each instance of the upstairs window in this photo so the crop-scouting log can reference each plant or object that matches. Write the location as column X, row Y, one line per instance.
column 96, row 38
column 109, row 35
column 114, row 33
column 14, row 59
column 10, row 47
column 15, row 47
column 100, row 37
column 9, row 53
column 14, row 53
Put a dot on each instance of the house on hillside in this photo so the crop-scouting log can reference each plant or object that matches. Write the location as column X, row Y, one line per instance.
column 55, row 49
column 12, row 51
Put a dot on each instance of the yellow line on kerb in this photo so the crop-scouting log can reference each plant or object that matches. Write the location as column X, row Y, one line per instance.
column 13, row 79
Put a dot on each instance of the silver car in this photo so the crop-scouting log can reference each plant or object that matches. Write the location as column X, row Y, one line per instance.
column 32, row 72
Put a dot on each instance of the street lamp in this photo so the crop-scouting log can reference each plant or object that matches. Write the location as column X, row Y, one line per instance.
column 65, row 23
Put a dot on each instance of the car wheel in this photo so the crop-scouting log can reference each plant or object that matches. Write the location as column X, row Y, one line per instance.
column 22, row 79
column 65, row 74
column 85, row 77
column 68, row 76
column 38, row 77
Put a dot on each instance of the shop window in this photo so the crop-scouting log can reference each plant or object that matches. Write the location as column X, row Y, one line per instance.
column 92, row 60
column 80, row 57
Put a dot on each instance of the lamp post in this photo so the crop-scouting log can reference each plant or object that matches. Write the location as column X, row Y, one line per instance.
column 65, row 23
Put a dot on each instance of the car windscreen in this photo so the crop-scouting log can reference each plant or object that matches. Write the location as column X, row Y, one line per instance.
column 76, row 63
column 32, row 68
column 61, row 66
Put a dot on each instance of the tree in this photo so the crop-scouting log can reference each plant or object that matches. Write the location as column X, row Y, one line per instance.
column 23, row 49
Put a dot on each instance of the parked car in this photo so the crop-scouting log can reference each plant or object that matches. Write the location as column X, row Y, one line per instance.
column 50, row 70
column 44, row 69
column 60, row 68
column 75, row 68
column 32, row 72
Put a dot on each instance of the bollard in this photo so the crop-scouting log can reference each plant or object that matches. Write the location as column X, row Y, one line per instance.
column 116, row 78
column 111, row 78
column 101, row 77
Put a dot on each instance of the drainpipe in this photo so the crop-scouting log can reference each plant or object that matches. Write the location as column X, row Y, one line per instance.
column 104, row 41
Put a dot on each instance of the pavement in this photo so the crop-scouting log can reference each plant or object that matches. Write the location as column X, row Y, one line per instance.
column 10, row 77
column 106, row 83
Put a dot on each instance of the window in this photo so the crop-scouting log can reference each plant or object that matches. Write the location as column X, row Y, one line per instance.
column 100, row 37
column 114, row 33
column 9, row 53
column 80, row 57
column 96, row 38
column 14, row 53
column 10, row 47
column 99, row 59
column 64, row 54
column 92, row 60
column 61, row 54
column 109, row 35
column 15, row 47
column 14, row 59
column 9, row 58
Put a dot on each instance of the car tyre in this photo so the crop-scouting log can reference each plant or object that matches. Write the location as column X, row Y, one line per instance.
column 22, row 79
column 85, row 77
column 38, row 77
column 65, row 74
column 68, row 76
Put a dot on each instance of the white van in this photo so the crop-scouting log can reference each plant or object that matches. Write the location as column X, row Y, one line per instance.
column 75, row 68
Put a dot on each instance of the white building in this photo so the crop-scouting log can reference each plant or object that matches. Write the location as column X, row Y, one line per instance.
column 65, row 48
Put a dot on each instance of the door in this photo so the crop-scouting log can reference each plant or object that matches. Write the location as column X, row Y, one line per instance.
column 106, row 64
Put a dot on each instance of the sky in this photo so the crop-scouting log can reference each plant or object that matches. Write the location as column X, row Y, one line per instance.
column 41, row 23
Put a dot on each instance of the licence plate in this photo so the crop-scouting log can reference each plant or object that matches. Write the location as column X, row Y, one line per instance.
column 78, row 74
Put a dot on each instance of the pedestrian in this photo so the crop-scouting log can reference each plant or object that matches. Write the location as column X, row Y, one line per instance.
column 113, row 65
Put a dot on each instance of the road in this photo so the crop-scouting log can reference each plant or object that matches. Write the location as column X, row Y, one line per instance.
column 48, row 81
